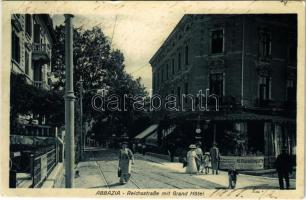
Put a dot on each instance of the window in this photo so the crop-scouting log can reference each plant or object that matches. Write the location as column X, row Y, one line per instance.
column 217, row 41
column 157, row 79
column 167, row 72
column 179, row 95
column 292, row 53
column 186, row 55
column 15, row 47
column 216, row 84
column 26, row 64
column 264, row 43
column 264, row 88
column 37, row 38
column 186, row 91
column 172, row 63
column 291, row 90
column 179, row 61
column 28, row 24
column 162, row 75
column 154, row 82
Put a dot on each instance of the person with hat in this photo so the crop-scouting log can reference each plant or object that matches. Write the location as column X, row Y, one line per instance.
column 283, row 166
column 215, row 158
column 206, row 161
column 126, row 158
column 191, row 160
column 199, row 153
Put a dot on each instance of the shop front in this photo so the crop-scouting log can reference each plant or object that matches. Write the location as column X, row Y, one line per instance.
column 251, row 141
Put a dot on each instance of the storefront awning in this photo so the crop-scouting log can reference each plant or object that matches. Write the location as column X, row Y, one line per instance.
column 152, row 139
column 147, row 131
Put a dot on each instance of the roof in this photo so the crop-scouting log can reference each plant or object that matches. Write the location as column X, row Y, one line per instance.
column 283, row 18
column 180, row 23
column 147, row 131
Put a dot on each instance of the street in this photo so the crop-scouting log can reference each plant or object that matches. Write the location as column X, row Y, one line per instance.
column 100, row 171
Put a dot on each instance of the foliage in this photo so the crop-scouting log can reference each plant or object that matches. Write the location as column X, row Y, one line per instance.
column 26, row 99
column 100, row 68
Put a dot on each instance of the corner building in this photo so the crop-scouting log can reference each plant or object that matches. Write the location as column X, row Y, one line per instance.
column 249, row 62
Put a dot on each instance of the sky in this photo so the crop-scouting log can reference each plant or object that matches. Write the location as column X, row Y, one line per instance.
column 138, row 36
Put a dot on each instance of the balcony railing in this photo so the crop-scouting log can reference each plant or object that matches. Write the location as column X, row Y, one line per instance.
column 41, row 52
column 33, row 130
column 41, row 84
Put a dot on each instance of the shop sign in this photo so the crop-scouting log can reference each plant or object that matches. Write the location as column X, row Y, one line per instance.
column 242, row 162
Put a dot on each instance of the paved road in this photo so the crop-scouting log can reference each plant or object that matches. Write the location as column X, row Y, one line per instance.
column 100, row 171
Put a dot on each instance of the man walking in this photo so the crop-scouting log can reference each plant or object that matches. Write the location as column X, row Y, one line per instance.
column 283, row 167
column 215, row 158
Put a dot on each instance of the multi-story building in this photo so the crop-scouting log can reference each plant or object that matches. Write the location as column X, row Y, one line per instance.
column 33, row 155
column 32, row 40
column 248, row 62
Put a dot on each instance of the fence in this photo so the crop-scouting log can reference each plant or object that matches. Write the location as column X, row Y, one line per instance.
column 42, row 166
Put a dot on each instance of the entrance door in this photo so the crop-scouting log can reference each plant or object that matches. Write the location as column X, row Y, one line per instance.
column 37, row 72
column 256, row 137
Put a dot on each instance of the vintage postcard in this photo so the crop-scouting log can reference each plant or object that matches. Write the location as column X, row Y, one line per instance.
column 129, row 99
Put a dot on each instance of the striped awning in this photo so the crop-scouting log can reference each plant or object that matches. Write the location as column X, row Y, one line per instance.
column 147, row 131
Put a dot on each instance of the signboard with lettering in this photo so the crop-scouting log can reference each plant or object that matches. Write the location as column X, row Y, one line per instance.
column 242, row 162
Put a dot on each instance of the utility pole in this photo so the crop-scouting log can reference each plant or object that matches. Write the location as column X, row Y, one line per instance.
column 82, row 138
column 69, row 104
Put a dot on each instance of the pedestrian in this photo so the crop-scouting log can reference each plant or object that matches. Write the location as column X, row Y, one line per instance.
column 134, row 148
column 232, row 177
column 126, row 158
column 206, row 161
column 171, row 151
column 215, row 158
column 283, row 166
column 192, row 157
column 143, row 148
column 199, row 153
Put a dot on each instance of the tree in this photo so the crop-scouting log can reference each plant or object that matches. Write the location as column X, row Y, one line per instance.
column 101, row 68
column 26, row 99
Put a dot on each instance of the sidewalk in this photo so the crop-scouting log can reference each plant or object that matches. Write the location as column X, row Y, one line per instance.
column 243, row 181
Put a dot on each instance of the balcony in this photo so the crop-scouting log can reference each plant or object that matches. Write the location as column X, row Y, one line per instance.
column 42, row 85
column 41, row 52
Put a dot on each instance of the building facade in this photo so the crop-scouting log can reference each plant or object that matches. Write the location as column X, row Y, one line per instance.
column 248, row 62
column 32, row 40
column 34, row 147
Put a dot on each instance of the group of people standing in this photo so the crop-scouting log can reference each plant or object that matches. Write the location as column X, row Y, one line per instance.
column 199, row 162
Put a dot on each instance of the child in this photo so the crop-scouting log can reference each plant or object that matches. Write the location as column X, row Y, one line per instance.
column 232, row 177
column 206, row 160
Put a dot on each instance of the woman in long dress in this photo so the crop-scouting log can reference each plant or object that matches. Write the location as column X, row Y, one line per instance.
column 191, row 160
column 126, row 158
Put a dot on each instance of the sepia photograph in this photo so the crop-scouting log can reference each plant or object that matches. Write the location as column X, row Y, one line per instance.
column 131, row 103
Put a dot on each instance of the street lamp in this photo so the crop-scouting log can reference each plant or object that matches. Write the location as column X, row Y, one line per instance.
column 69, row 103
column 198, row 129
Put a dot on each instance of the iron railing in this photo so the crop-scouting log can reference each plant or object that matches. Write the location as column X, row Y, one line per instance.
column 42, row 48
column 42, row 166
